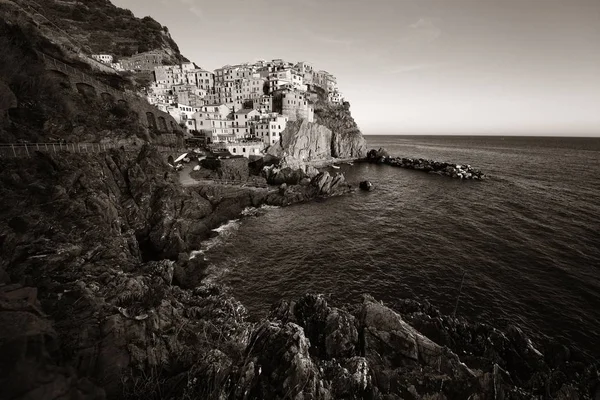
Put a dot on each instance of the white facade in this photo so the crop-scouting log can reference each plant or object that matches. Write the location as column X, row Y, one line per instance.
column 103, row 58
column 269, row 129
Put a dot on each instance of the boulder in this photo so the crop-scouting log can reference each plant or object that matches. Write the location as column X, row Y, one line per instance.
column 367, row 185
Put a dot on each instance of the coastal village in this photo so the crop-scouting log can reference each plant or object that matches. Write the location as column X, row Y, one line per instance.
column 240, row 108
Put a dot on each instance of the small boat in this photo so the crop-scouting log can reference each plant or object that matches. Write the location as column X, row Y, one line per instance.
column 335, row 166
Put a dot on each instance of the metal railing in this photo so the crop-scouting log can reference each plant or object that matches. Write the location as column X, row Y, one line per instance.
column 25, row 150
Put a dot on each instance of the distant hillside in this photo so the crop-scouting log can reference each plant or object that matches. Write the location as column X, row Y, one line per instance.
column 98, row 26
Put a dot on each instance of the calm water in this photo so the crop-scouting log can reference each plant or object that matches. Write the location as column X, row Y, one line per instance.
column 528, row 238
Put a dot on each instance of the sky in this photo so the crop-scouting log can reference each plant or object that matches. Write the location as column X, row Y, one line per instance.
column 503, row 67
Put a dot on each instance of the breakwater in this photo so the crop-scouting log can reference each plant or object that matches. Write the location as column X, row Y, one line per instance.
column 457, row 171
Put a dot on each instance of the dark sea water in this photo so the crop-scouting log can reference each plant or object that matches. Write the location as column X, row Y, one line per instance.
column 528, row 238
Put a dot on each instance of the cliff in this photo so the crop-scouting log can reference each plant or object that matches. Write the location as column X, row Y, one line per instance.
column 99, row 27
column 303, row 141
column 347, row 140
column 41, row 105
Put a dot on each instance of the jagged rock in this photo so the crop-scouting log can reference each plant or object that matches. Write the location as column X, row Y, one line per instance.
column 278, row 365
column 348, row 145
column 381, row 156
column 236, row 169
column 277, row 176
column 332, row 332
column 367, row 185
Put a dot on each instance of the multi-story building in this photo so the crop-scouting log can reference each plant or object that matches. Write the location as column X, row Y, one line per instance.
column 143, row 61
column 243, row 121
column 213, row 121
column 201, row 78
column 246, row 148
column 253, row 88
column 296, row 106
column 263, row 104
column 182, row 112
column 269, row 128
column 103, row 58
column 335, row 97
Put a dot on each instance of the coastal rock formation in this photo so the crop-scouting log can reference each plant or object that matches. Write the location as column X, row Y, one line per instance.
column 99, row 295
column 276, row 175
column 381, row 156
column 303, row 141
column 347, row 140
column 348, row 145
column 227, row 168
column 367, row 186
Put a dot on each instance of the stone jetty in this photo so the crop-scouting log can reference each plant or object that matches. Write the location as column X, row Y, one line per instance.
column 458, row 171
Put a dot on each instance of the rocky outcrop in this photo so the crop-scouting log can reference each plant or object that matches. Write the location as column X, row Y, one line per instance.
column 105, row 241
column 348, row 145
column 347, row 140
column 303, row 141
column 381, row 156
column 228, row 168
column 366, row 186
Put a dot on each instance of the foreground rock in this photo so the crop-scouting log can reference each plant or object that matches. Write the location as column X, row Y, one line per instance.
column 100, row 298
column 381, row 156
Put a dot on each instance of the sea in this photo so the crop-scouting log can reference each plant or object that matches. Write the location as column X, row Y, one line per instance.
column 524, row 244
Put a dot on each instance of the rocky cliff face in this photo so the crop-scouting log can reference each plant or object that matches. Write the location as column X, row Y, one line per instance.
column 303, row 141
column 38, row 105
column 347, row 140
column 99, row 27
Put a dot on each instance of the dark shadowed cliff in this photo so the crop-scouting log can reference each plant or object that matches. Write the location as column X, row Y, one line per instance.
column 41, row 104
column 99, row 27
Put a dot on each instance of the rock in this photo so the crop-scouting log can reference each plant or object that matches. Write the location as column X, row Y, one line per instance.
column 303, row 141
column 235, row 169
column 197, row 168
column 311, row 171
column 282, row 188
column 376, row 155
column 279, row 365
column 348, row 145
column 277, row 176
column 367, row 185
column 381, row 156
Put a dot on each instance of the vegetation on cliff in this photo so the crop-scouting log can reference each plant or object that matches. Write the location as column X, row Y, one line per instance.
column 37, row 105
column 347, row 140
column 99, row 27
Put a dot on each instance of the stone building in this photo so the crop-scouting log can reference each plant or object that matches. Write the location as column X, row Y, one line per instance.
column 295, row 105
column 143, row 61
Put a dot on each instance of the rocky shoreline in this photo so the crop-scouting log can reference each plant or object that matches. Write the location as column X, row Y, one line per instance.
column 456, row 171
column 100, row 299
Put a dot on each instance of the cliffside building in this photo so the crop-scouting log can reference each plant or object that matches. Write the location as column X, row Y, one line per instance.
column 103, row 58
column 143, row 61
column 295, row 106
column 269, row 128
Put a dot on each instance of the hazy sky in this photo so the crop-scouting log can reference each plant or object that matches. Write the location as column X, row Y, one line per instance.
column 416, row 66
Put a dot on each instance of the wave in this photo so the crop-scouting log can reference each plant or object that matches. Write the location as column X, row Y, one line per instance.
column 256, row 211
column 223, row 233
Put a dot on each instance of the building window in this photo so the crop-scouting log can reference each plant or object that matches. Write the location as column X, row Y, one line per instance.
column 243, row 149
column 234, row 149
